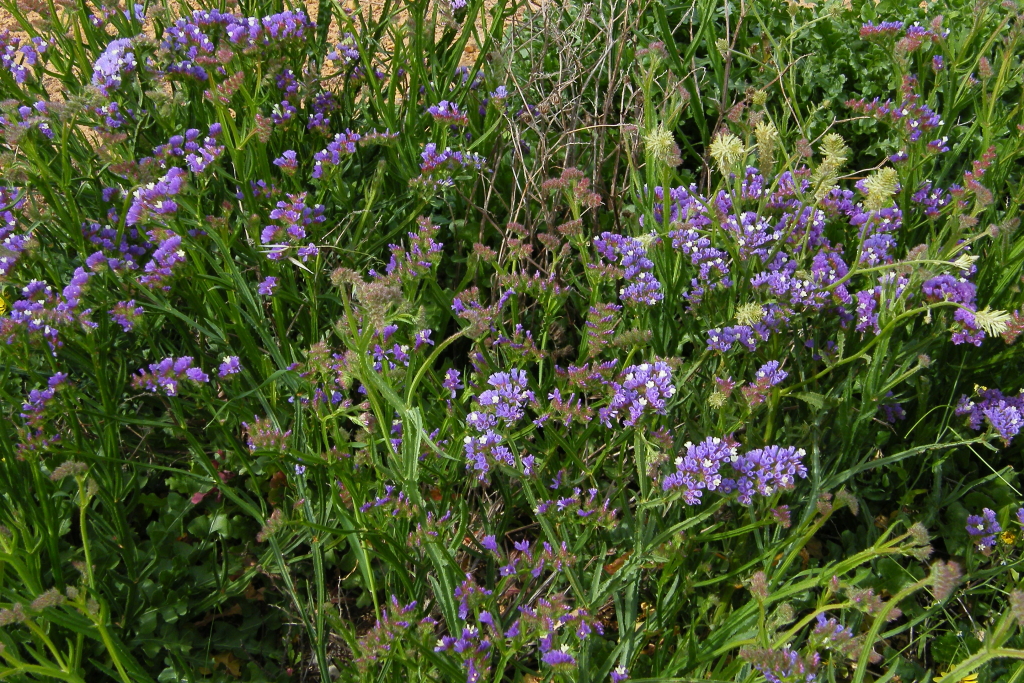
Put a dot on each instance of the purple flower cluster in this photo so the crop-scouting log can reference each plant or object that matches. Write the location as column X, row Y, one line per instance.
column 33, row 436
column 229, row 366
column 12, row 242
column 959, row 291
column 346, row 51
column 452, row 381
column 198, row 155
column 164, row 377
column 784, row 665
column 41, row 311
column 915, row 118
column 931, row 198
column 755, row 237
column 983, row 529
column 765, row 378
column 262, row 434
column 437, row 168
column 126, row 254
column 34, row 117
column 828, row 632
column 287, row 162
column 103, row 13
column 448, row 112
column 394, row 622
column 724, row 338
column 292, row 218
column 198, row 40
column 109, row 68
column 581, row 505
column 29, row 50
column 877, row 231
column 395, row 355
column 267, row 286
column 635, row 267
column 886, row 28
column 282, row 113
column 154, row 199
column 418, row 258
column 549, row 620
column 640, row 389
column 126, row 314
column 343, row 143
column 168, row 254
column 763, row 471
column 323, row 104
column 504, row 403
column 1004, row 414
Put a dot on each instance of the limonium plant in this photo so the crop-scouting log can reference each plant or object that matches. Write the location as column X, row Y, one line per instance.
column 470, row 341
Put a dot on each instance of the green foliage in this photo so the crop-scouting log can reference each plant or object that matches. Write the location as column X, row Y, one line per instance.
column 363, row 387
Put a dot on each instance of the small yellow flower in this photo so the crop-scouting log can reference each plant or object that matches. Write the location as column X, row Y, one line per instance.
column 3, row 306
column 1008, row 537
column 969, row 678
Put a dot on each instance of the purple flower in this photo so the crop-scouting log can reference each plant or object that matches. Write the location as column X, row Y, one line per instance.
column 766, row 377
column 886, row 28
column 619, row 674
column 422, row 338
column 308, row 251
column 267, row 287
column 700, row 468
column 448, row 112
column 451, row 381
column 229, row 366
column 763, row 471
column 287, row 162
column 126, row 314
column 346, row 51
column 164, row 377
column 638, row 270
column 167, row 255
column 292, row 217
column 343, row 143
column 508, row 396
column 984, row 528
column 558, row 659
column 437, row 168
column 115, row 60
column 1005, row 414
column 641, row 389
column 1005, row 418
column 154, row 199
column 784, row 664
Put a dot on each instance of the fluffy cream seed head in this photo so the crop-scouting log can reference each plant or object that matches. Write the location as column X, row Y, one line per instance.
column 661, row 145
column 834, row 149
column 727, row 150
column 993, row 322
column 749, row 314
column 881, row 187
column 767, row 136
